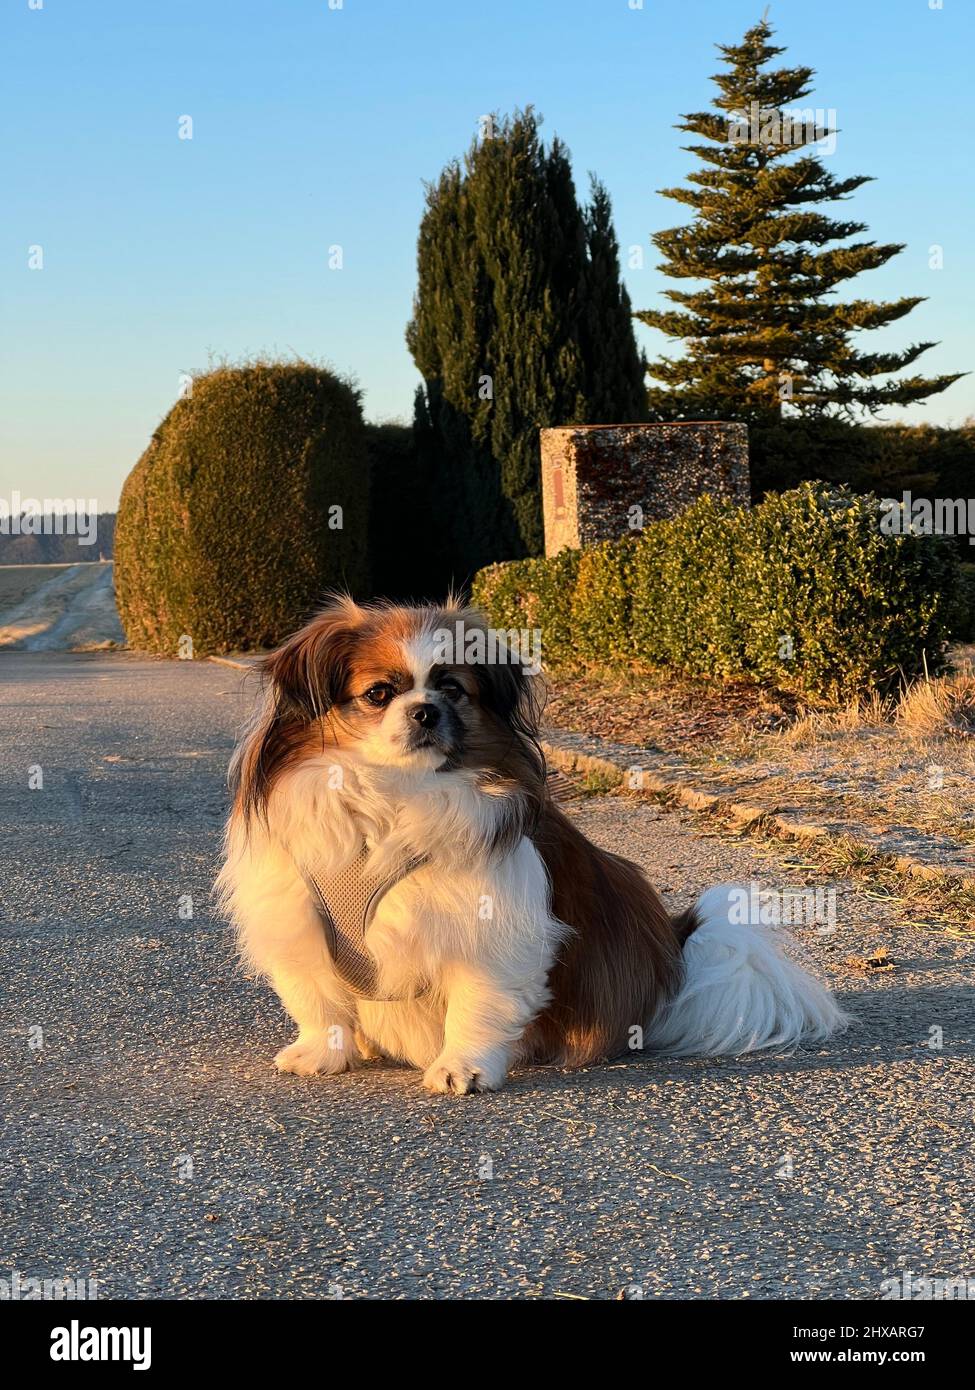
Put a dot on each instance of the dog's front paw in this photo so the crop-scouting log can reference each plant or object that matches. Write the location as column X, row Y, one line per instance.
column 453, row 1076
column 315, row 1052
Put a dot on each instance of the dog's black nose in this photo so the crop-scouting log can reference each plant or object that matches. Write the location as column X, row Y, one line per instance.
column 425, row 715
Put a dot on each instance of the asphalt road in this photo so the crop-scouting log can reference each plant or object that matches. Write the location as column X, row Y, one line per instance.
column 148, row 1142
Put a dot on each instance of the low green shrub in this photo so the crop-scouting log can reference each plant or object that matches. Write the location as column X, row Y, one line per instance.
column 532, row 593
column 804, row 590
column 963, row 615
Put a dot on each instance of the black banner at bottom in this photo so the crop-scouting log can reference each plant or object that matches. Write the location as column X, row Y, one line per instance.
column 167, row 1337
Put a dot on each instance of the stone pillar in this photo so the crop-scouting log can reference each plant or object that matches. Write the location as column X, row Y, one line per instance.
column 594, row 475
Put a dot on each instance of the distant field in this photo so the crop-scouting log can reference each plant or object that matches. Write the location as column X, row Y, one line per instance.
column 18, row 582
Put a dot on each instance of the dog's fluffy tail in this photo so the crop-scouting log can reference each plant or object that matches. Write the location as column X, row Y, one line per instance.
column 741, row 992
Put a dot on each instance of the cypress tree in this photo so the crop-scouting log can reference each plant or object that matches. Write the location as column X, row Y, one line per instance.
column 519, row 321
column 615, row 374
column 767, row 337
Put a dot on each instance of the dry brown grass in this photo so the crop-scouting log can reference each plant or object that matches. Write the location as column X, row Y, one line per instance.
column 18, row 582
column 927, row 709
column 872, row 712
column 901, row 767
column 940, row 708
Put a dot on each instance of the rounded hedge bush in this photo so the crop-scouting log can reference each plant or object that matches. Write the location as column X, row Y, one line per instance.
column 250, row 502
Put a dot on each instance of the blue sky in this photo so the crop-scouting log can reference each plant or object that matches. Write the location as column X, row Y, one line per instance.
column 315, row 127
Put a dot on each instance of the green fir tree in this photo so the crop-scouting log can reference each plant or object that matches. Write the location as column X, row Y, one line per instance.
column 767, row 337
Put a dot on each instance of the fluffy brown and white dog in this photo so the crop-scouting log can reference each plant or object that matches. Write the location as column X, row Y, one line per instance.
column 501, row 935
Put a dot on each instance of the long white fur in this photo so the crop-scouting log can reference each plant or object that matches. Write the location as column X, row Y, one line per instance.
column 742, row 992
column 470, row 930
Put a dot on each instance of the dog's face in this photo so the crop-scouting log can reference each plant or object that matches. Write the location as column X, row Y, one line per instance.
column 399, row 703
column 397, row 687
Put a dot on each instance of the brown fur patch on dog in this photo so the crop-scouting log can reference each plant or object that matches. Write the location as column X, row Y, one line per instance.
column 622, row 962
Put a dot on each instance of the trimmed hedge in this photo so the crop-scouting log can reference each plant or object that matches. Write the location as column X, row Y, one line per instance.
column 963, row 624
column 803, row 590
column 227, row 528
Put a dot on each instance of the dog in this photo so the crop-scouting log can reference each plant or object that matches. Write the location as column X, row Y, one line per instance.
column 396, row 866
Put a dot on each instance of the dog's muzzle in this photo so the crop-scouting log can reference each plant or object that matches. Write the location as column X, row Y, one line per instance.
column 435, row 726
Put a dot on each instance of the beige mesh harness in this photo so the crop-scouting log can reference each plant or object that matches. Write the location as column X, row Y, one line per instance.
column 347, row 903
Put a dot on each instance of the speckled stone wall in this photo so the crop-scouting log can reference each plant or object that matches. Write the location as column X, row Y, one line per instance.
column 595, row 476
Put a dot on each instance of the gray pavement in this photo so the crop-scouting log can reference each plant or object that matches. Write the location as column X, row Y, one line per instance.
column 147, row 1141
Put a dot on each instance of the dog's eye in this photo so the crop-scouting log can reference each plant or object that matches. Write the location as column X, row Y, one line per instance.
column 379, row 694
column 451, row 688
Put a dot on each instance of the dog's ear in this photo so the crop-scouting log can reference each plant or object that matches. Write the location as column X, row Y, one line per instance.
column 309, row 673
column 510, row 693
column 505, row 686
column 511, row 697
column 305, row 678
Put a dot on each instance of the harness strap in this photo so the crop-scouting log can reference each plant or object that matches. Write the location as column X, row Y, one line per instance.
column 347, row 903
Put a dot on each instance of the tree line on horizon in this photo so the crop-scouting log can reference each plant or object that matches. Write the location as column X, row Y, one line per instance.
column 21, row 546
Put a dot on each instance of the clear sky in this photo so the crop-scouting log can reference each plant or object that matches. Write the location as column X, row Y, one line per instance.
column 315, row 127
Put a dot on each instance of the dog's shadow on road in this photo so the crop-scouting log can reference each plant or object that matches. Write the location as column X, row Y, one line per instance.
column 893, row 1025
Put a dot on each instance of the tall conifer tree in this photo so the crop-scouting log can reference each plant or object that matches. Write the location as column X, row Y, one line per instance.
column 520, row 320
column 766, row 336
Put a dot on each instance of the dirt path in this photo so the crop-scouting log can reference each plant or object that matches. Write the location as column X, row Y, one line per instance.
column 72, row 610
